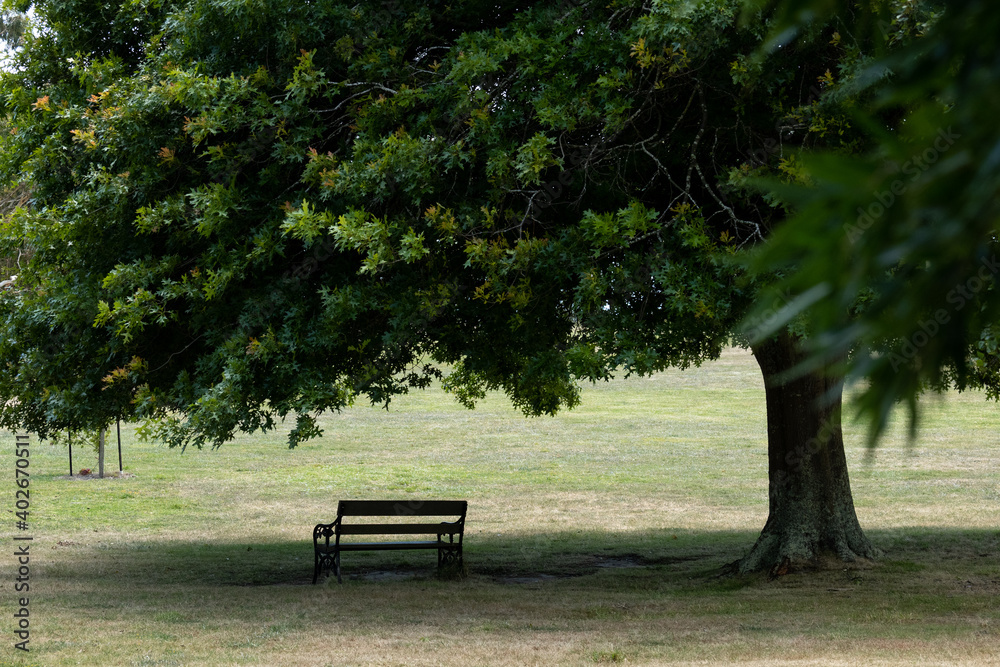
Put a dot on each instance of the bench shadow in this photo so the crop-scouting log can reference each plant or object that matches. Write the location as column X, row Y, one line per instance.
column 666, row 554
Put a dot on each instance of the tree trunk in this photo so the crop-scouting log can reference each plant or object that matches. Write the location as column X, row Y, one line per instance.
column 100, row 455
column 810, row 511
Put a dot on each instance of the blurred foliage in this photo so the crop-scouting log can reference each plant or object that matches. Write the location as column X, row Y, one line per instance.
column 892, row 250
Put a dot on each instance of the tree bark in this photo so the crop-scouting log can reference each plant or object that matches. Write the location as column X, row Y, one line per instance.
column 810, row 510
column 100, row 455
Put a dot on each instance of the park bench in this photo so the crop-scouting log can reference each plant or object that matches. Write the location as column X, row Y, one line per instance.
column 327, row 552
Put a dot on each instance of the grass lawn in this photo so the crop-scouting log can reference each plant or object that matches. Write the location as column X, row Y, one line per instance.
column 593, row 537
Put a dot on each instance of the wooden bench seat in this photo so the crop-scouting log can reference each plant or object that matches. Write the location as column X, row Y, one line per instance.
column 449, row 551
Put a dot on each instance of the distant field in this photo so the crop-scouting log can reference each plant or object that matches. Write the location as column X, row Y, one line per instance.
column 593, row 538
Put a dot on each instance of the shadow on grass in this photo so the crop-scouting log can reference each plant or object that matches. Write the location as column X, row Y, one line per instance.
column 678, row 558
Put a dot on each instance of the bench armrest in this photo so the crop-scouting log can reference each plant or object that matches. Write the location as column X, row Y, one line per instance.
column 325, row 530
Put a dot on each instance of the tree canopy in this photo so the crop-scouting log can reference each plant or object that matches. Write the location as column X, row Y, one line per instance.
column 243, row 212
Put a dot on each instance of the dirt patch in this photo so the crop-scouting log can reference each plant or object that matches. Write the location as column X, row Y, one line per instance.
column 619, row 562
column 587, row 566
column 93, row 475
column 385, row 575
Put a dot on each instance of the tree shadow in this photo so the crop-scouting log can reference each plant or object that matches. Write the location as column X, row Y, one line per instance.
column 682, row 558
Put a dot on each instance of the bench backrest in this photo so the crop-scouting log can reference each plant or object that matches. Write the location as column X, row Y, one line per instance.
column 402, row 508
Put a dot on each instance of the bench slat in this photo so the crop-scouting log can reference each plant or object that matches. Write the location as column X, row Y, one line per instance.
column 402, row 508
column 384, row 546
column 400, row 529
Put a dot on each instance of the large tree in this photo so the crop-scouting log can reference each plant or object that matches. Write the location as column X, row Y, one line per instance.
column 242, row 212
